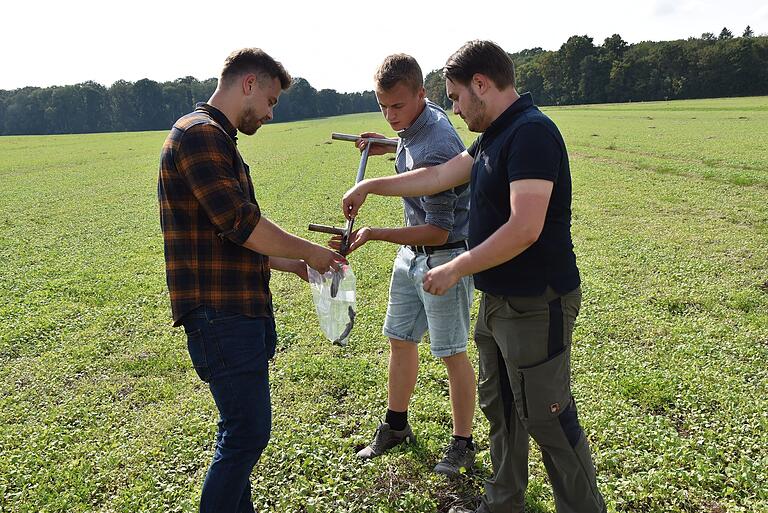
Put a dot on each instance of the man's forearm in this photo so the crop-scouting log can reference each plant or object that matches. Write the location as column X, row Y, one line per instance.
column 419, row 182
column 423, row 235
column 269, row 239
column 285, row 264
column 426, row 180
column 529, row 201
column 503, row 245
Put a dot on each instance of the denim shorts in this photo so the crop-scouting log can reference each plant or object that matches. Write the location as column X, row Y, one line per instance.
column 412, row 312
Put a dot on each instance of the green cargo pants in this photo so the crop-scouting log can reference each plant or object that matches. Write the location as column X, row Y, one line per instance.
column 524, row 346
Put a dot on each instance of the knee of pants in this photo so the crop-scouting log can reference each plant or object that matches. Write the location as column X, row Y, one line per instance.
column 246, row 432
column 247, row 437
column 489, row 392
column 245, row 410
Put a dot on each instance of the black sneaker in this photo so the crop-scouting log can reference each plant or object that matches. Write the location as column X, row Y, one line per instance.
column 457, row 456
column 386, row 438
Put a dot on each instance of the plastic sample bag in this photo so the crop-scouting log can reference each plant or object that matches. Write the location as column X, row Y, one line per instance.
column 334, row 296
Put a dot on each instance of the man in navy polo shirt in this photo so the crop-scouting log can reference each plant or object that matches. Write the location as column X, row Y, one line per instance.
column 522, row 259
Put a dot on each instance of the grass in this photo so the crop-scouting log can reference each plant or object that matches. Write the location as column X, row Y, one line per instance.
column 101, row 411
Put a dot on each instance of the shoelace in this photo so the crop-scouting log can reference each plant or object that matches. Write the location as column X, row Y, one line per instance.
column 454, row 453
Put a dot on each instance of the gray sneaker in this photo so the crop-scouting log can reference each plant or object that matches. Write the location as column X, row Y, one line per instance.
column 457, row 456
column 386, row 438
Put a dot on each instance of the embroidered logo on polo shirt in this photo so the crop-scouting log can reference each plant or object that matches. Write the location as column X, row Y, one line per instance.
column 486, row 163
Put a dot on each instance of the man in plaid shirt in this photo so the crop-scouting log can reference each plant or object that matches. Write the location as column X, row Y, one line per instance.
column 219, row 250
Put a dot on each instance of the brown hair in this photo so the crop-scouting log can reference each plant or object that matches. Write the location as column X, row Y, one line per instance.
column 254, row 60
column 397, row 68
column 485, row 57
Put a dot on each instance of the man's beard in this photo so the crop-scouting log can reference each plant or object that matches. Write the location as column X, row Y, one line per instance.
column 249, row 122
column 476, row 113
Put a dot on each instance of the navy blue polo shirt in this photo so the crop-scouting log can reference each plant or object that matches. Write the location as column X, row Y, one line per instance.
column 523, row 143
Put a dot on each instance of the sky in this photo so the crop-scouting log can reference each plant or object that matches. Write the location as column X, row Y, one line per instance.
column 335, row 45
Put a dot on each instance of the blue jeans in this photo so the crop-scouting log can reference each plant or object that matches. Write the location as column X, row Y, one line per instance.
column 231, row 352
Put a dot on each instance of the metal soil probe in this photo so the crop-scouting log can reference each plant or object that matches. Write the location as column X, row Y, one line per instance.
column 347, row 230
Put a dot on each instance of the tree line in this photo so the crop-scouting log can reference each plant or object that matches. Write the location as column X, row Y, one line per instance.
column 580, row 72
column 149, row 105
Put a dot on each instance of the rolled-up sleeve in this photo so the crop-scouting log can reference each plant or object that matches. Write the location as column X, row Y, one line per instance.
column 206, row 161
column 439, row 208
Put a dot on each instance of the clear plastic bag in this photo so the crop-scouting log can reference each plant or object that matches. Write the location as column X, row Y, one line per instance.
column 334, row 296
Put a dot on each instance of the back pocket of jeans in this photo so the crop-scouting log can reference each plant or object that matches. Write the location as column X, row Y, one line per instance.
column 196, row 348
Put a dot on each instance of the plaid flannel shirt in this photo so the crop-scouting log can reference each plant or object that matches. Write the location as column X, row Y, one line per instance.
column 207, row 211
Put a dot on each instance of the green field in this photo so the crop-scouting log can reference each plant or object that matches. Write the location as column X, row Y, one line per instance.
column 101, row 411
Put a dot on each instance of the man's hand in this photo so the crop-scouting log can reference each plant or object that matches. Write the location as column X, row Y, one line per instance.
column 323, row 259
column 357, row 238
column 376, row 149
column 301, row 270
column 437, row 281
column 354, row 199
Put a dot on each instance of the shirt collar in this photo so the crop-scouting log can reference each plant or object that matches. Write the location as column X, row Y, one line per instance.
column 418, row 124
column 219, row 118
column 505, row 118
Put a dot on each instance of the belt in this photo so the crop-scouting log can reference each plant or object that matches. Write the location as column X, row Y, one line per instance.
column 428, row 250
